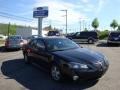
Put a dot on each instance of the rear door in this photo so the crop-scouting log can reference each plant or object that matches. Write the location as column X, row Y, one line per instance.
column 32, row 50
column 42, row 54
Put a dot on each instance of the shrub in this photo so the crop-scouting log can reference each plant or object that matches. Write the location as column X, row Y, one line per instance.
column 103, row 34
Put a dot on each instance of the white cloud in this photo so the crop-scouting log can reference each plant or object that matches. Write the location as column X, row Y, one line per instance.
column 101, row 4
column 85, row 1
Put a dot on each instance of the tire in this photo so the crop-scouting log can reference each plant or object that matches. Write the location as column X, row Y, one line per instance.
column 90, row 41
column 26, row 59
column 56, row 73
column 108, row 44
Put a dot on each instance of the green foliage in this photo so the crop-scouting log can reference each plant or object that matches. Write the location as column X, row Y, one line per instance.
column 85, row 29
column 114, row 24
column 12, row 29
column 49, row 28
column 95, row 23
column 4, row 29
column 103, row 34
column 118, row 28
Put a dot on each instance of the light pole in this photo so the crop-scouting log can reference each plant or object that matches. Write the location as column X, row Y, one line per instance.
column 66, row 18
column 80, row 23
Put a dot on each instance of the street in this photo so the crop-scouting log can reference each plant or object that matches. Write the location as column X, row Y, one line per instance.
column 16, row 75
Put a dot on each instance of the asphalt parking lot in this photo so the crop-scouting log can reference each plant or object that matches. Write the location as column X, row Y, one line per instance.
column 16, row 75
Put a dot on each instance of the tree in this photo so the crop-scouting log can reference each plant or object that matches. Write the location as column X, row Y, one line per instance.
column 48, row 28
column 118, row 28
column 95, row 23
column 85, row 29
column 114, row 24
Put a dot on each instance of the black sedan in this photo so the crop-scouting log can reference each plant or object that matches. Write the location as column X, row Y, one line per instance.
column 63, row 57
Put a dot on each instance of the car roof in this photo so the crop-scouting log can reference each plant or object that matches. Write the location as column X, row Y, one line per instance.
column 52, row 37
column 15, row 36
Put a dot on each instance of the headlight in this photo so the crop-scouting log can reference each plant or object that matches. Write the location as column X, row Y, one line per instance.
column 77, row 65
column 106, row 60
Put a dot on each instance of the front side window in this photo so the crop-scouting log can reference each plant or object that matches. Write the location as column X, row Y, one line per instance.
column 32, row 43
column 40, row 44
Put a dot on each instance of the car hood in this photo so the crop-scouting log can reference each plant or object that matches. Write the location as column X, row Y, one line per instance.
column 80, row 55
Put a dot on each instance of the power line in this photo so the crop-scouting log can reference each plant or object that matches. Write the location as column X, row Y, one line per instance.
column 7, row 15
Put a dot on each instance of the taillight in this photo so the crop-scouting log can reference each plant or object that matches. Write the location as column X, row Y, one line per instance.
column 21, row 41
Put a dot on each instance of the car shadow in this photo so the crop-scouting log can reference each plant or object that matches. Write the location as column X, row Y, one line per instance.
column 34, row 78
column 3, row 49
column 106, row 45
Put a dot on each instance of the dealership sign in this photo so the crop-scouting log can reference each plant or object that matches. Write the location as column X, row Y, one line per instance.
column 40, row 12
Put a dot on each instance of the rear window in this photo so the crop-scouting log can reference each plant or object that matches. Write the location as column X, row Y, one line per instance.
column 115, row 34
column 15, row 37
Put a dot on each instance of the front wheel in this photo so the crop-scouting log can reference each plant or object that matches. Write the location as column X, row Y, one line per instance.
column 56, row 73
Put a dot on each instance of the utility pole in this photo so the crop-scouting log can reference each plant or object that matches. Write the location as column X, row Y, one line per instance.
column 66, row 19
column 80, row 25
column 8, row 29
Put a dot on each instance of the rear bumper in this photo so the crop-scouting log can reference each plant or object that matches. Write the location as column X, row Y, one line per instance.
column 13, row 47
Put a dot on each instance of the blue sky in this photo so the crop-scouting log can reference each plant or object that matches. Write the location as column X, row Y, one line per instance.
column 78, row 10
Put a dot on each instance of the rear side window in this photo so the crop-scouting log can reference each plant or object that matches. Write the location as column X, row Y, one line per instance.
column 89, row 34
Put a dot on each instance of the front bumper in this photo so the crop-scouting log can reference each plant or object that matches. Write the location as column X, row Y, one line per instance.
column 86, row 74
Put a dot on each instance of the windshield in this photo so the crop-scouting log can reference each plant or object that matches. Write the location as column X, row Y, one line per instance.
column 60, row 44
column 115, row 34
column 15, row 37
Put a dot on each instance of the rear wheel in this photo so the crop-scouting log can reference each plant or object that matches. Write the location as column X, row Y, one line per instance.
column 90, row 41
column 56, row 73
column 26, row 58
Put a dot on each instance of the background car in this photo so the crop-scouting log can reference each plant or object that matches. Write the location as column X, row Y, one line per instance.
column 63, row 57
column 114, row 38
column 14, row 42
column 85, row 36
column 53, row 33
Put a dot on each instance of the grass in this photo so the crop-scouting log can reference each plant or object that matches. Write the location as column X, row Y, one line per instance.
column 2, row 42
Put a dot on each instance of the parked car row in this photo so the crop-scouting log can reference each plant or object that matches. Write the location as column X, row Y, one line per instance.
column 92, row 37
column 16, row 41
column 85, row 36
